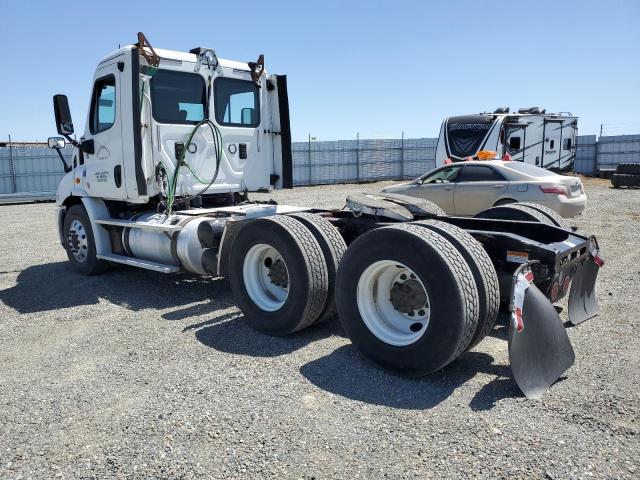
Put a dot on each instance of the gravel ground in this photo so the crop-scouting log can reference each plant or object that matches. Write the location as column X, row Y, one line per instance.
column 137, row 374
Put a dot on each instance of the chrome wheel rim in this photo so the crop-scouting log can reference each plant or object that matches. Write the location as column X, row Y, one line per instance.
column 393, row 303
column 266, row 277
column 77, row 241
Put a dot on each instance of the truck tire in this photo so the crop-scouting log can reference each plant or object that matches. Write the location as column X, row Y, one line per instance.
column 80, row 243
column 407, row 299
column 628, row 168
column 333, row 248
column 625, row 180
column 484, row 274
column 515, row 211
column 278, row 275
column 554, row 216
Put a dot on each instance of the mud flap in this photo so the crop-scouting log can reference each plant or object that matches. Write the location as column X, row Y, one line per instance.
column 539, row 347
column 582, row 296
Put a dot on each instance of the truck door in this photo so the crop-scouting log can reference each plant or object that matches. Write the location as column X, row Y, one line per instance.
column 280, row 142
column 103, row 174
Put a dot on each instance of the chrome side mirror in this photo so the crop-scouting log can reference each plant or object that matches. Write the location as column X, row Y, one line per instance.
column 56, row 143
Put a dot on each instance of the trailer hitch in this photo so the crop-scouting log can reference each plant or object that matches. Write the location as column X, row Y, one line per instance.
column 539, row 347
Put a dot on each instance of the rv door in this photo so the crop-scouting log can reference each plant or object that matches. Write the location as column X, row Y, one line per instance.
column 552, row 142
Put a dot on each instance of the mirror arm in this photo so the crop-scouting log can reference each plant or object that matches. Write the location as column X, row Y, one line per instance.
column 85, row 146
column 67, row 168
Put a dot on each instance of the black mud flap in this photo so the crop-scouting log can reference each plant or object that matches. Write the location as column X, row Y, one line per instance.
column 539, row 348
column 583, row 304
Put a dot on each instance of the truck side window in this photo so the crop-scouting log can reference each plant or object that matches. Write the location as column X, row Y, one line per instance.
column 177, row 97
column 237, row 102
column 103, row 104
column 514, row 143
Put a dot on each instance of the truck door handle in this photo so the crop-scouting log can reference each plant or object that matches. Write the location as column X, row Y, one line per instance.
column 117, row 175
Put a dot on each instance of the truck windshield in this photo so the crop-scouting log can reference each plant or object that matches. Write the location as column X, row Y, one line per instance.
column 177, row 97
column 465, row 134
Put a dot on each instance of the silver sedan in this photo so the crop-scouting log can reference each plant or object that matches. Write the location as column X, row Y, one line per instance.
column 466, row 188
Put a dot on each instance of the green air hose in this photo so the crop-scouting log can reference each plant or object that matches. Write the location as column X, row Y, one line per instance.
column 217, row 141
column 173, row 181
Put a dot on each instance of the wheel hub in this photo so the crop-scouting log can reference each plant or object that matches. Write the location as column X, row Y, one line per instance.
column 407, row 296
column 277, row 272
column 393, row 302
column 77, row 241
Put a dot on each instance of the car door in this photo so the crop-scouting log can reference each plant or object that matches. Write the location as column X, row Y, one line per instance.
column 103, row 174
column 438, row 187
column 477, row 187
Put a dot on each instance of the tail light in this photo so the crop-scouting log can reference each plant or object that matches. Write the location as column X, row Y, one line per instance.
column 557, row 189
column 506, row 157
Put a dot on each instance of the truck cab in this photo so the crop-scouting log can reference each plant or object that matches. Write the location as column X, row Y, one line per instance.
column 183, row 124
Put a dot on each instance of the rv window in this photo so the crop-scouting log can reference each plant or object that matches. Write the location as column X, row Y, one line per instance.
column 514, row 143
column 551, row 144
column 237, row 102
column 479, row 173
column 567, row 144
column 177, row 97
column 103, row 104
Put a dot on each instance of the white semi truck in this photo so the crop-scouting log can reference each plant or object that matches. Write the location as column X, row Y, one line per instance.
column 160, row 178
column 530, row 135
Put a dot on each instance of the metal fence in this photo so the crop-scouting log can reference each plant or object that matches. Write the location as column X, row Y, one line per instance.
column 33, row 172
column 361, row 160
column 604, row 154
column 29, row 172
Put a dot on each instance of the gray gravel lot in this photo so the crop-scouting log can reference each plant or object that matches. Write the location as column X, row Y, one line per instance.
column 137, row 374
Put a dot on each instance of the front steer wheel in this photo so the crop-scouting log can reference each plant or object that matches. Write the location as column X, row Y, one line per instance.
column 278, row 275
column 79, row 242
column 407, row 299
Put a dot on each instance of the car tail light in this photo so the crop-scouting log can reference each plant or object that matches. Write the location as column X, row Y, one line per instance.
column 557, row 189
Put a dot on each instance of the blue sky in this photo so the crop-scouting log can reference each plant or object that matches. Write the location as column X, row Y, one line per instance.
column 374, row 67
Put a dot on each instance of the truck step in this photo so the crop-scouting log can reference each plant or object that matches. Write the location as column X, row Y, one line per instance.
column 157, row 227
column 137, row 262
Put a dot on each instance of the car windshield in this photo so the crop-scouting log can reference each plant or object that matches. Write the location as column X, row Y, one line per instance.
column 444, row 175
column 529, row 169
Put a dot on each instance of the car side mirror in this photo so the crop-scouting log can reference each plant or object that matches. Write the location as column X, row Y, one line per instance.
column 57, row 143
column 64, row 124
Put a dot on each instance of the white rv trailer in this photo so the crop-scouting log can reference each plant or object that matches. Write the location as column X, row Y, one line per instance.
column 547, row 140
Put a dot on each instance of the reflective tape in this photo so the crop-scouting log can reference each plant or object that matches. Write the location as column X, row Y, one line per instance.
column 523, row 280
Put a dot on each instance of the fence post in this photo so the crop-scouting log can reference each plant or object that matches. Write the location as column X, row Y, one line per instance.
column 402, row 156
column 309, row 155
column 12, row 169
column 358, row 157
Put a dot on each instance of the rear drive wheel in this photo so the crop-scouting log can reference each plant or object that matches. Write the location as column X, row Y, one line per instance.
column 407, row 298
column 515, row 211
column 80, row 243
column 484, row 274
column 278, row 275
column 333, row 249
column 554, row 216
